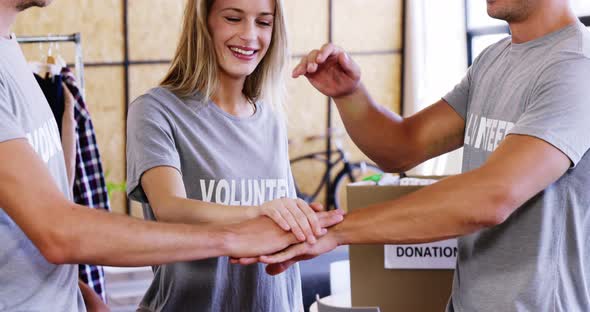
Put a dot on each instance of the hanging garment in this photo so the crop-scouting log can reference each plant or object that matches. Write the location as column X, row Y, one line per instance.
column 89, row 183
column 54, row 93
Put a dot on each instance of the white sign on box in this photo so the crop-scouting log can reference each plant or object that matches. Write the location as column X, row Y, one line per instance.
column 438, row 255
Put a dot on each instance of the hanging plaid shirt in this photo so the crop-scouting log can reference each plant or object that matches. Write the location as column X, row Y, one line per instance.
column 89, row 185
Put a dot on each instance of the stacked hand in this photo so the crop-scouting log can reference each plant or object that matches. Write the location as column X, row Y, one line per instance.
column 294, row 215
column 261, row 236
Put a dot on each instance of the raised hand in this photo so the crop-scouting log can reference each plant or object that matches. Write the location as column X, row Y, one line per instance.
column 330, row 70
column 294, row 215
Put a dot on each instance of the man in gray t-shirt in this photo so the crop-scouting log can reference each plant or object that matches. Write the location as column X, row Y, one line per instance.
column 538, row 259
column 42, row 232
column 521, row 209
column 24, row 273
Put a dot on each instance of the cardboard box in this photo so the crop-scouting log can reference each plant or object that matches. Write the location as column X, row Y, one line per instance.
column 393, row 290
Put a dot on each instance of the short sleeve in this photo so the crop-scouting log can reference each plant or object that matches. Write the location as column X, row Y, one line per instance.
column 10, row 129
column 458, row 98
column 559, row 108
column 150, row 142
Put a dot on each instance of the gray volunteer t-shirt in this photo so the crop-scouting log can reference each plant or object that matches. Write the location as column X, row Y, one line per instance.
column 27, row 281
column 539, row 259
column 222, row 159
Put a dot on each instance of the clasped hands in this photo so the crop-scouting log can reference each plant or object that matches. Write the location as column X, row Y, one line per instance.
column 300, row 233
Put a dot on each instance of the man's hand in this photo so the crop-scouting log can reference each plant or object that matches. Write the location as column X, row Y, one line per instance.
column 281, row 261
column 330, row 70
column 262, row 236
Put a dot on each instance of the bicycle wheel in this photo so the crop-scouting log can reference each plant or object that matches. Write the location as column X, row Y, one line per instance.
column 308, row 174
column 359, row 170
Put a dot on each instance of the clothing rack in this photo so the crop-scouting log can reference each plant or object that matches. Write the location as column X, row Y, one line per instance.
column 75, row 38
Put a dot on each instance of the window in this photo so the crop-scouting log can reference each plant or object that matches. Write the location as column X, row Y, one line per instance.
column 483, row 30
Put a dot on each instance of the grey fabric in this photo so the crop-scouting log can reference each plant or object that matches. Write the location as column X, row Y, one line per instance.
column 223, row 159
column 539, row 259
column 28, row 282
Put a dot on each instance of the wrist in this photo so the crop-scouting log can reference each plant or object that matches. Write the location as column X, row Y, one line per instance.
column 226, row 239
column 253, row 212
column 338, row 234
column 350, row 96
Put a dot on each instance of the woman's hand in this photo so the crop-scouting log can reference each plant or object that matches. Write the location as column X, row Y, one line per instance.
column 294, row 215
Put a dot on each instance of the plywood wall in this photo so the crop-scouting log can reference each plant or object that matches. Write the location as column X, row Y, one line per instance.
column 370, row 29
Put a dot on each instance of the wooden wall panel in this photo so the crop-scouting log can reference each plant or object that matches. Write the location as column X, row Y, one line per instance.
column 105, row 97
column 144, row 77
column 100, row 22
column 306, row 113
column 381, row 74
column 368, row 25
column 154, row 28
column 307, row 24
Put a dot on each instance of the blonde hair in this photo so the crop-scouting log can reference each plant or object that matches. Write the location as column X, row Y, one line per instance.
column 194, row 67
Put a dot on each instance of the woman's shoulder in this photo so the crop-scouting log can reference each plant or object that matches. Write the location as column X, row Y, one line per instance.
column 156, row 95
column 156, row 99
column 270, row 113
column 155, row 103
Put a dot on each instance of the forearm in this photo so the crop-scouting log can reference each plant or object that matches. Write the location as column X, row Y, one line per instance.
column 453, row 207
column 94, row 237
column 378, row 132
column 68, row 142
column 189, row 211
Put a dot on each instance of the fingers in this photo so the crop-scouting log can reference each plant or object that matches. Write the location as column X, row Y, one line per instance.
column 301, row 68
column 287, row 214
column 312, row 64
column 278, row 218
column 285, row 255
column 278, row 268
column 309, row 63
column 298, row 211
column 349, row 66
column 327, row 50
column 330, row 218
column 243, row 261
column 317, row 207
column 248, row 261
column 311, row 216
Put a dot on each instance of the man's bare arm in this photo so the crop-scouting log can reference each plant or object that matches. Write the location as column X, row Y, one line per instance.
column 396, row 144
column 68, row 233
column 520, row 168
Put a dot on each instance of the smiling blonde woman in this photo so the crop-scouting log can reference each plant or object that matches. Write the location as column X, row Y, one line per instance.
column 210, row 146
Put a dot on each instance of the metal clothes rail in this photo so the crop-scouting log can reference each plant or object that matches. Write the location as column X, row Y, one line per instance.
column 75, row 38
